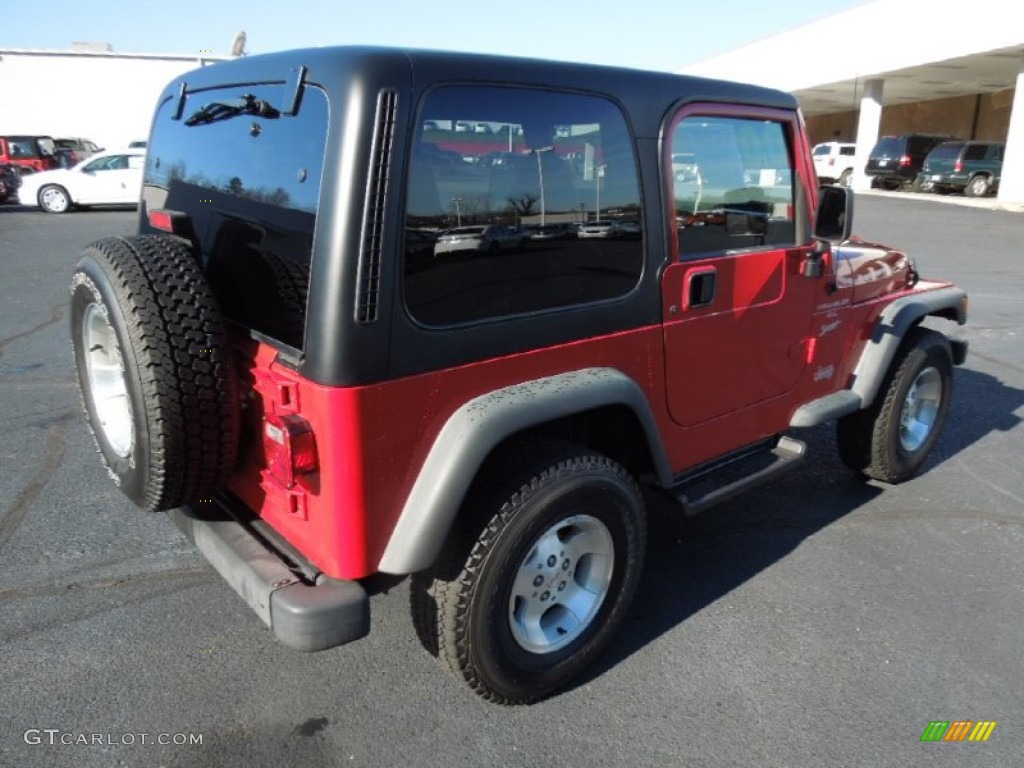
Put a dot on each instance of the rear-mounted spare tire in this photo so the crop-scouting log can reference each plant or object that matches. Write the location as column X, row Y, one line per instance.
column 155, row 370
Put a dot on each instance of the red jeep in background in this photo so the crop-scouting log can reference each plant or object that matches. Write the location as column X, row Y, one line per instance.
column 28, row 153
column 319, row 401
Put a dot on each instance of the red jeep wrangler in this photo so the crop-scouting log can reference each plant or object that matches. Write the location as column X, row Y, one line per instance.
column 319, row 398
column 28, row 153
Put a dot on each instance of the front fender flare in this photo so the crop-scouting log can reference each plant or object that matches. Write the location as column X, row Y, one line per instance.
column 890, row 329
column 477, row 427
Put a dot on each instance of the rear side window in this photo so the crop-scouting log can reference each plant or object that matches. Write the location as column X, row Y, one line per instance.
column 250, row 185
column 976, row 151
column 736, row 191
column 849, row 151
column 501, row 182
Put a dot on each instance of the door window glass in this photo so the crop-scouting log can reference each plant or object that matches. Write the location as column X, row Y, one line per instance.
column 732, row 185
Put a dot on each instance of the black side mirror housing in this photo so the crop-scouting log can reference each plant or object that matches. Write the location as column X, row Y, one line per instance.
column 834, row 219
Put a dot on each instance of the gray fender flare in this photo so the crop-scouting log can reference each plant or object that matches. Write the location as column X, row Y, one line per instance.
column 890, row 330
column 473, row 431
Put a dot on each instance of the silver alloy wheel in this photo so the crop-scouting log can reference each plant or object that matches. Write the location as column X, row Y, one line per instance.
column 54, row 199
column 561, row 584
column 920, row 409
column 108, row 388
column 978, row 186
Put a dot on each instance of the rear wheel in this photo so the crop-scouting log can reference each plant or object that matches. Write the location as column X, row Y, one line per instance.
column 54, row 199
column 891, row 440
column 520, row 607
column 978, row 186
column 155, row 374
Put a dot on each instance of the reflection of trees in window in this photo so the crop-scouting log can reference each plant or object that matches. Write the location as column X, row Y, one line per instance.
column 523, row 205
column 277, row 196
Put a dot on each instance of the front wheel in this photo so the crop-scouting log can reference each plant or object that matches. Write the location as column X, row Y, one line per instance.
column 54, row 199
column 891, row 440
column 536, row 595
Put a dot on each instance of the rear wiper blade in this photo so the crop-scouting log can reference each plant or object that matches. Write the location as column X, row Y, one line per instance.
column 247, row 104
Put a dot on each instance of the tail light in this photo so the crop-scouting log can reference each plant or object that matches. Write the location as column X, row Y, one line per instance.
column 289, row 447
column 904, row 161
column 175, row 222
column 958, row 165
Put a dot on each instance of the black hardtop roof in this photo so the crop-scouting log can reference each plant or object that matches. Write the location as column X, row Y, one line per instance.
column 327, row 66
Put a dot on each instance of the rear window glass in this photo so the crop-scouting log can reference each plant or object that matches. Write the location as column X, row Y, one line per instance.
column 250, row 185
column 505, row 165
column 888, row 146
column 945, row 152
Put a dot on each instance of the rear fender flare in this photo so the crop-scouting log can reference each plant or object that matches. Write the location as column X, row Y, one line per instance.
column 477, row 427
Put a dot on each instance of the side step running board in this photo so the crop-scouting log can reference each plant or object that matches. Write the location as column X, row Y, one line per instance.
column 722, row 481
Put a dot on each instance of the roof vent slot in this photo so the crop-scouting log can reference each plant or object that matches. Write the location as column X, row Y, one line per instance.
column 368, row 276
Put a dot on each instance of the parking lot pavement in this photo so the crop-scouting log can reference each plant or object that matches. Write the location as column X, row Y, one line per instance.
column 819, row 621
column 986, row 203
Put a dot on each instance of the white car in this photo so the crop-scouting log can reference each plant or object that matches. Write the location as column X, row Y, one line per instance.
column 488, row 238
column 601, row 229
column 106, row 178
column 833, row 162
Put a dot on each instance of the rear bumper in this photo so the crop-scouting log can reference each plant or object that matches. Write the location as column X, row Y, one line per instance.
column 305, row 616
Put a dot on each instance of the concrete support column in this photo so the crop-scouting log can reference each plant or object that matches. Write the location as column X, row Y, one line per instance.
column 867, row 130
column 1011, row 186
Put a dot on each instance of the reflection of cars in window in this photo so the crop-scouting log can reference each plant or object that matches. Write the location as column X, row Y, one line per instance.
column 971, row 167
column 489, row 238
column 107, row 178
column 551, row 232
column 603, row 229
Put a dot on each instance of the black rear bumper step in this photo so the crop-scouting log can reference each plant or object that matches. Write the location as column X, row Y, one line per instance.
column 733, row 476
column 304, row 616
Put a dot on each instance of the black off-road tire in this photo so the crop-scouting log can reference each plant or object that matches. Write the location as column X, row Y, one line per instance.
column 156, row 375
column 890, row 440
column 468, row 611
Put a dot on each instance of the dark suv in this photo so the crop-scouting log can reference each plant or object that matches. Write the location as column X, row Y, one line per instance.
column 326, row 405
column 971, row 167
column 896, row 161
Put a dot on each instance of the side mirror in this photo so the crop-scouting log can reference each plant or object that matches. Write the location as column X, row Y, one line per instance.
column 834, row 219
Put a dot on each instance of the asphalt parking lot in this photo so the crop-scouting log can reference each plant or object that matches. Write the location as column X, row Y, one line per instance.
column 818, row 621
